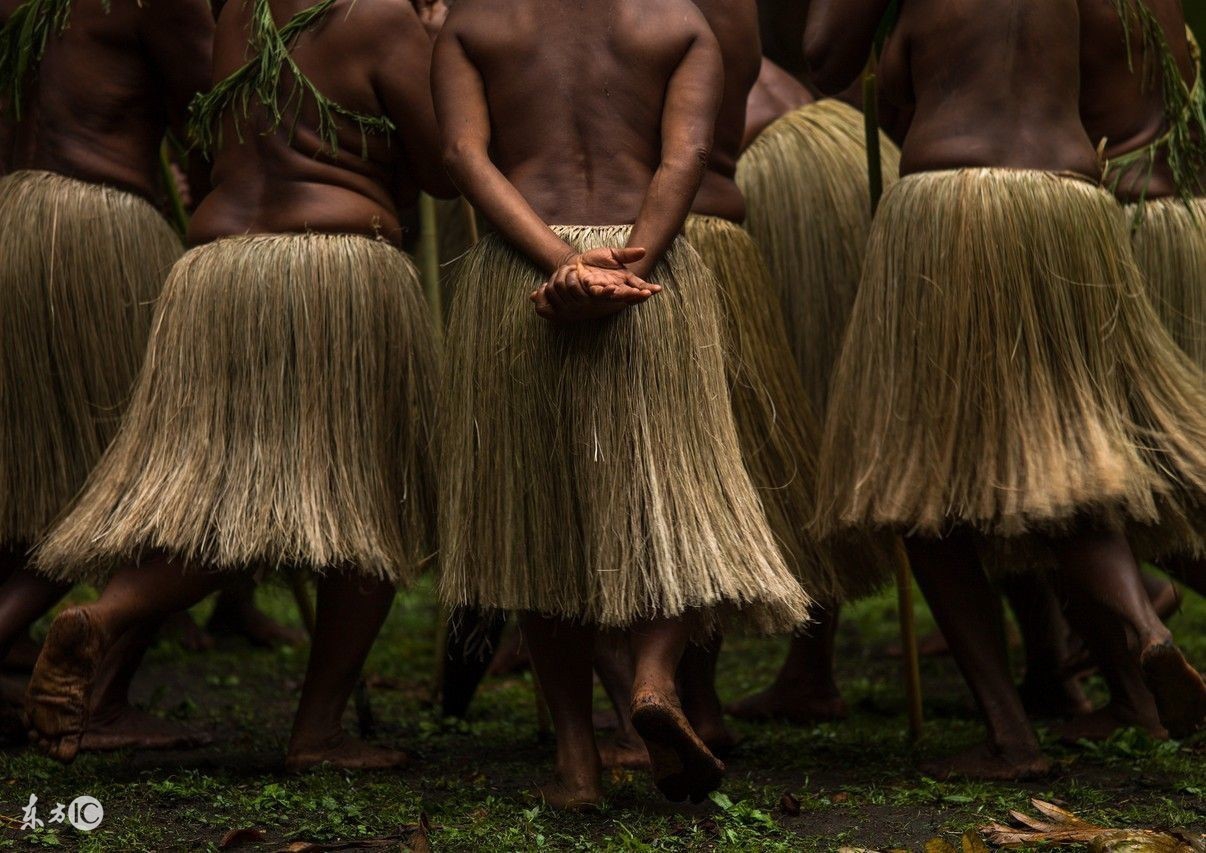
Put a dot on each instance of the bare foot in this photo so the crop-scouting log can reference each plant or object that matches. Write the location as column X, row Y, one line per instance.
column 23, row 655
column 131, row 728
column 247, row 621
column 683, row 766
column 59, row 696
column 566, row 795
column 985, row 762
column 1178, row 688
column 1101, row 725
column 187, row 632
column 1054, row 699
column 346, row 753
column 628, row 753
column 795, row 705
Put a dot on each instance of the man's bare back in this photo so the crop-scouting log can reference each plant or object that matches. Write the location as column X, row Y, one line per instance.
column 993, row 84
column 735, row 24
column 108, row 88
column 1124, row 105
column 368, row 56
column 576, row 130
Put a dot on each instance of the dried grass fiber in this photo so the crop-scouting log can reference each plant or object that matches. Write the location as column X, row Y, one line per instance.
column 809, row 210
column 1004, row 370
column 592, row 471
column 80, row 268
column 282, row 418
column 1170, row 246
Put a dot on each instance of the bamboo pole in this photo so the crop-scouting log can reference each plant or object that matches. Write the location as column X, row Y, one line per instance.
column 900, row 557
column 429, row 257
column 175, row 199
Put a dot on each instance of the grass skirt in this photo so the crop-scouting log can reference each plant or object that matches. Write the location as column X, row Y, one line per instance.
column 80, row 267
column 777, row 426
column 592, row 471
column 281, row 418
column 1170, row 246
column 809, row 209
column 1005, row 370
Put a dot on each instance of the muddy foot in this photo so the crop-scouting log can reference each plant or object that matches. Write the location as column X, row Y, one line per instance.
column 571, row 797
column 253, row 625
column 187, row 632
column 345, row 753
column 983, row 762
column 720, row 739
column 683, row 766
column 625, row 753
column 793, row 705
column 1054, row 700
column 1179, row 689
column 22, row 656
column 58, row 699
column 131, row 728
column 1101, row 725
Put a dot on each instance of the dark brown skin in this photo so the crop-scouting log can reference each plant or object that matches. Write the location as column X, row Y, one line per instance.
column 1012, row 101
column 603, row 114
column 775, row 94
column 109, row 87
column 1121, row 105
column 735, row 24
column 619, row 139
column 371, row 56
column 992, row 84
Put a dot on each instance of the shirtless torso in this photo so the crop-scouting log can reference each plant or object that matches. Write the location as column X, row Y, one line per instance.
column 609, row 127
column 735, row 24
column 775, row 94
column 991, row 84
column 1125, row 106
column 369, row 56
column 108, row 88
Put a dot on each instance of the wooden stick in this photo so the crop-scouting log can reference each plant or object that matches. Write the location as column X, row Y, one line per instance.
column 175, row 199
column 429, row 254
column 470, row 221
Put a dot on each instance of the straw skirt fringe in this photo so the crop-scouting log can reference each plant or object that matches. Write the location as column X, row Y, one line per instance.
column 777, row 427
column 80, row 267
column 281, row 418
column 1004, row 370
column 592, row 471
column 809, row 210
column 1170, row 246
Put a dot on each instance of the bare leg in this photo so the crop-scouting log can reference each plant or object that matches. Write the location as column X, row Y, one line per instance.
column 968, row 611
column 351, row 611
column 1046, row 691
column 235, row 614
column 59, row 699
column 683, row 766
column 24, row 599
column 113, row 722
column 805, row 691
column 561, row 654
column 614, row 666
column 1099, row 566
column 701, row 703
column 473, row 637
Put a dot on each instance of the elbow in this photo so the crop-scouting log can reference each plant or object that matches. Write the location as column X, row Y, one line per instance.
column 689, row 159
column 832, row 67
column 459, row 155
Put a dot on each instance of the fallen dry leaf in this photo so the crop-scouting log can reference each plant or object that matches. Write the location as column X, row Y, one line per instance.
column 1060, row 827
column 939, row 845
column 239, row 837
column 839, row 797
column 789, row 805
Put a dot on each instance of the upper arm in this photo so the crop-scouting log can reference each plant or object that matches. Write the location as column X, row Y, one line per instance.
column 179, row 38
column 693, row 97
column 400, row 78
column 460, row 95
column 838, row 38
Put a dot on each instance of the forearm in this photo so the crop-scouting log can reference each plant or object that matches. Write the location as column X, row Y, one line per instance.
column 497, row 199
column 664, row 210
